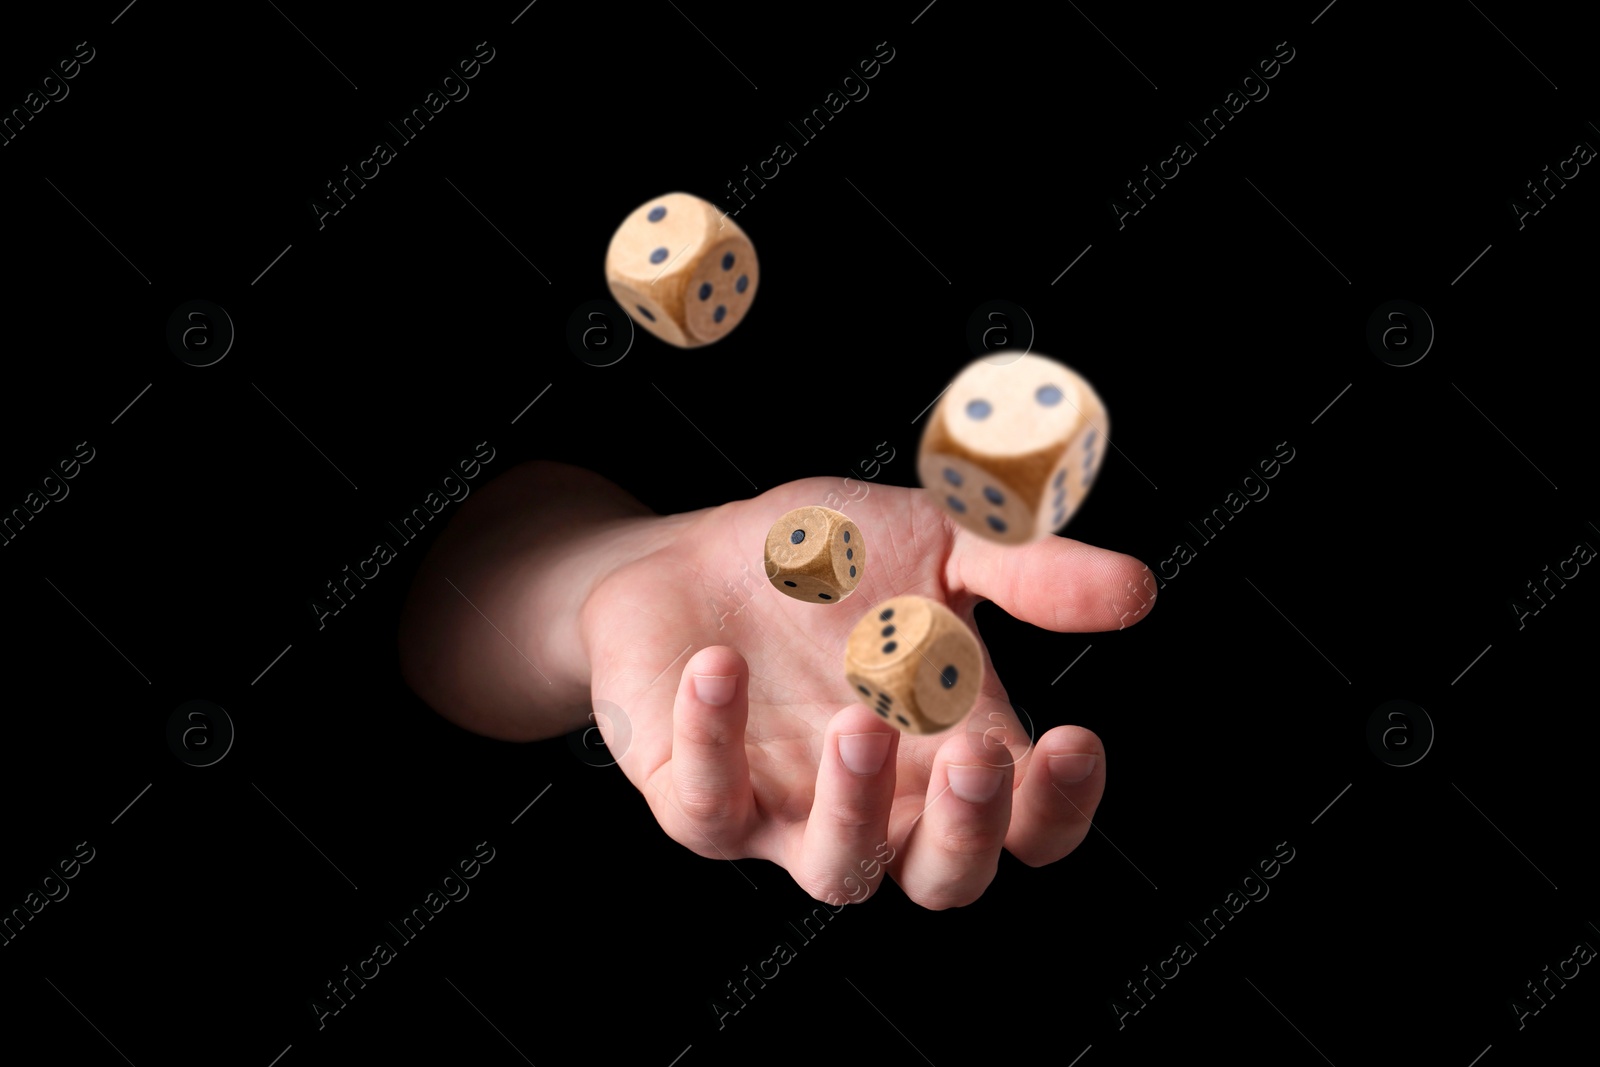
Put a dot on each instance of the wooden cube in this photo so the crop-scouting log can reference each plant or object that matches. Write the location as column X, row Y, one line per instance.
column 1012, row 447
column 815, row 554
column 682, row 270
column 915, row 663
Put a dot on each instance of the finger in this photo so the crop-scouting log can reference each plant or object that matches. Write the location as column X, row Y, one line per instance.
column 1063, row 780
column 844, row 844
column 953, row 848
column 1058, row 584
column 994, row 733
column 709, row 773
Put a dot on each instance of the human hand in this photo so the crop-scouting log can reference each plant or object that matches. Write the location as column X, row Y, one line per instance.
column 732, row 726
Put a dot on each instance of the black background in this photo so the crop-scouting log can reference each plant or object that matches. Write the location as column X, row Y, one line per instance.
column 414, row 324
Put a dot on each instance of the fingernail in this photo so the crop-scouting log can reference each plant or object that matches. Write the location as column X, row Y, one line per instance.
column 863, row 753
column 1069, row 767
column 715, row 690
column 974, row 784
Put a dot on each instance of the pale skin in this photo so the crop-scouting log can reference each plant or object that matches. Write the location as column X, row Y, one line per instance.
column 555, row 598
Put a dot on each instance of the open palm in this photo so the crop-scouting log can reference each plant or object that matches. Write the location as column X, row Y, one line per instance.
column 725, row 703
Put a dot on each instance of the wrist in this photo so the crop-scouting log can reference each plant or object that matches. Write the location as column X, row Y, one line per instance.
column 492, row 634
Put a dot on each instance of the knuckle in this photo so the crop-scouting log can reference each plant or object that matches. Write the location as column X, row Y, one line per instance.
column 703, row 805
column 852, row 813
column 931, row 900
column 968, row 840
column 704, row 731
column 700, row 799
column 945, row 897
column 834, row 884
column 816, row 887
column 1035, row 854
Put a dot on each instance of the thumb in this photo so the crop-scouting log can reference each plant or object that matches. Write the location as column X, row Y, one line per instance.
column 1055, row 583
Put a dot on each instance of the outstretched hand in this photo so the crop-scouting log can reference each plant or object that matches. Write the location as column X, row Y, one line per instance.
column 722, row 700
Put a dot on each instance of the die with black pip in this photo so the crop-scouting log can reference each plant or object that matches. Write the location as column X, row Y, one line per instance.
column 815, row 554
column 916, row 662
column 687, row 270
column 1013, row 446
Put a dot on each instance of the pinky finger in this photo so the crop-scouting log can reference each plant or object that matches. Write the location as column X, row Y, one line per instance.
column 1062, row 784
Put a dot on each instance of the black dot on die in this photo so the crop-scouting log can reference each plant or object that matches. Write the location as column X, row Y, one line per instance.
column 727, row 261
column 883, row 711
column 864, row 690
column 903, row 720
column 791, row 585
column 658, row 255
column 847, row 537
column 885, row 698
column 796, row 537
column 948, row 676
column 645, row 312
column 705, row 291
column 886, row 614
column 825, row 596
column 657, row 214
column 890, row 647
column 852, row 571
column 888, row 631
column 742, row 284
column 719, row 314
